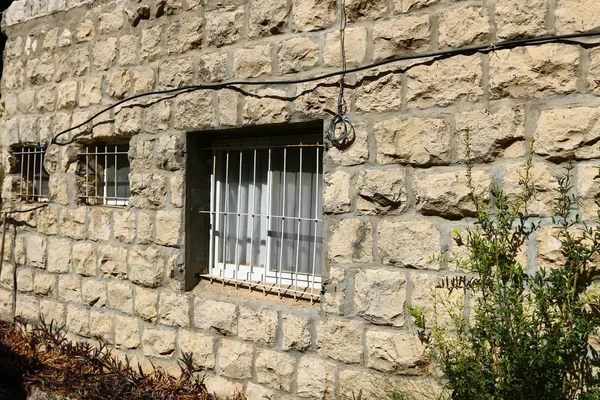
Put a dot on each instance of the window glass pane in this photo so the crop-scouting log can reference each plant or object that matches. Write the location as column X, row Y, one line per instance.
column 116, row 174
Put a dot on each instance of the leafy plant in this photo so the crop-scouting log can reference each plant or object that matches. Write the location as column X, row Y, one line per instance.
column 527, row 335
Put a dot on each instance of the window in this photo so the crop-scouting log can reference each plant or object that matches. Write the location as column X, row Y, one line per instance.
column 105, row 175
column 264, row 212
column 34, row 178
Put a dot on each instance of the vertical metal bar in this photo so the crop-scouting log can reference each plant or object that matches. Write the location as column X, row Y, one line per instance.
column 226, row 216
column 105, row 186
column 237, row 222
column 87, row 174
column 314, row 263
column 41, row 152
column 96, row 183
column 282, row 221
column 269, row 188
column 32, row 153
column 117, row 200
column 213, row 215
column 28, row 180
column 23, row 182
column 252, row 212
column 295, row 277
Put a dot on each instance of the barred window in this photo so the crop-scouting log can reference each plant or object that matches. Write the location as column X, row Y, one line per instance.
column 265, row 213
column 105, row 177
column 34, row 178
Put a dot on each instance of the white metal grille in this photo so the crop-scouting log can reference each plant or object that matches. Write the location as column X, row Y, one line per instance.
column 266, row 217
column 106, row 174
column 34, row 178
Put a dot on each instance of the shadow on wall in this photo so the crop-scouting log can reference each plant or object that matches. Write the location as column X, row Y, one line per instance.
column 3, row 6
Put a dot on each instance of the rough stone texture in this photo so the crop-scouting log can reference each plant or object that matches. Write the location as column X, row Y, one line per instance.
column 200, row 344
column 336, row 194
column 588, row 188
column 259, row 326
column 312, row 15
column 174, row 309
column 410, row 5
column 84, row 259
column 193, row 110
column 158, row 342
column 101, row 326
column 184, row 34
column 381, row 191
column 147, row 190
column 146, row 304
column 576, row 16
column 390, row 351
column 216, row 316
column 170, row 227
column 340, row 340
column 463, row 25
column 274, row 369
column 44, row 284
column 267, row 17
column 425, row 294
column 408, row 243
column 120, row 296
column 542, row 177
column 94, row 293
column 146, row 266
column 224, row 25
column 564, row 132
column 265, row 108
column 297, row 54
column 447, row 194
column 355, row 46
column 380, row 93
column 124, row 226
column 380, row 295
column 351, row 242
column 315, row 378
column 399, row 36
column 252, row 62
column 127, row 332
column 69, row 288
column 78, row 320
column 235, row 359
column 520, row 18
column 295, row 331
column 449, row 81
column 36, row 251
column 534, row 71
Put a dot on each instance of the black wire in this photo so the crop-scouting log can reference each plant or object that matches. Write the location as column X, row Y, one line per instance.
column 484, row 49
column 24, row 211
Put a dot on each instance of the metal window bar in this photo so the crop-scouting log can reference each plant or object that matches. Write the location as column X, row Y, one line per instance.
column 259, row 268
column 34, row 178
column 99, row 189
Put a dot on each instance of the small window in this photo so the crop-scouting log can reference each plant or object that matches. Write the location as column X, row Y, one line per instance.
column 265, row 213
column 105, row 174
column 34, row 178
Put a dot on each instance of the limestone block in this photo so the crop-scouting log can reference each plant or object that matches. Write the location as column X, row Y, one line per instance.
column 259, row 326
column 381, row 93
column 170, row 153
column 59, row 255
column 365, row 9
column 51, row 311
column 145, row 230
column 463, row 25
column 446, row 193
column 577, row 16
column 548, row 249
column 26, row 101
column 267, row 17
column 357, row 153
column 380, row 296
column 46, row 98
column 72, row 222
column 150, row 41
column 224, row 25
column 212, row 67
column 27, row 307
column 382, row 191
column 101, row 326
column 94, row 293
column 67, row 95
column 400, row 35
column 417, row 141
column 409, row 244
column 274, row 369
column 297, row 54
column 493, row 135
column 200, row 345
column 90, row 91
column 544, row 184
column 445, row 82
column 171, row 225
column 404, row 6
column 394, row 351
column 295, row 331
column 99, row 224
column 44, row 284
column 146, row 266
column 537, row 71
column 112, row 260
column 40, row 70
column 351, row 241
column 353, row 381
column 111, row 21
column 425, row 293
column 146, row 304
column 51, row 39
column 143, row 80
column 157, row 117
column 222, row 386
column 28, row 130
column 79, row 61
column 84, row 259
column 174, row 309
column 120, row 296
column 69, row 288
column 593, row 78
column 588, row 189
column 124, row 226
column 340, row 340
column 85, row 31
column 315, row 378
column 78, row 320
column 216, row 316
column 118, row 84
column 317, row 100
column 24, row 280
column 59, row 189
column 128, row 121
column 105, row 53
column 520, row 18
column 266, row 108
column 147, row 190
column 312, row 15
column 66, row 37
column 355, row 46
column 252, row 62
column 176, row 189
column 36, row 251
column 562, row 133
column 254, row 391
column 128, row 50
column 235, row 359
column 185, row 34
column 336, row 194
column 127, row 332
column 13, row 75
column 193, row 110
column 14, row 48
column 158, row 342
column 168, row 7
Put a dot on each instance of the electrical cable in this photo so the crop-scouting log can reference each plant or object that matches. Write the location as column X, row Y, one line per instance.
column 469, row 50
column 23, row 211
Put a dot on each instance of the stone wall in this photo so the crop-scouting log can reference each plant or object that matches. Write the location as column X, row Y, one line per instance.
column 391, row 199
